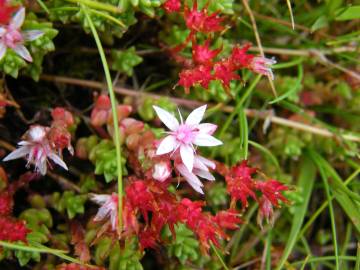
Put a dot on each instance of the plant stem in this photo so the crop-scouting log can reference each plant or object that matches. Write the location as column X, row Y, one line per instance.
column 114, row 114
column 219, row 256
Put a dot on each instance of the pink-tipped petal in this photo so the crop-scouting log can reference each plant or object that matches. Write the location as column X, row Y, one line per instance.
column 196, row 116
column 58, row 160
column 2, row 31
column 190, row 178
column 17, row 153
column 32, row 34
column 99, row 199
column 18, row 19
column 207, row 128
column 204, row 174
column 206, row 162
column 2, row 50
column 167, row 118
column 202, row 139
column 102, row 213
column 41, row 165
column 187, row 156
column 167, row 145
column 23, row 52
column 199, row 165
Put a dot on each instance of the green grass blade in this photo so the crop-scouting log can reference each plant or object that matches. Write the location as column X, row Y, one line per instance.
column 43, row 6
column 96, row 5
column 324, row 205
column 323, row 172
column 324, row 259
column 306, row 183
column 296, row 87
column 267, row 152
column 357, row 264
column 41, row 249
column 244, row 133
column 113, row 109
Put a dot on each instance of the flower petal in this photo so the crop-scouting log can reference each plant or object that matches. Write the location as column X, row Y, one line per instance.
column 23, row 52
column 102, row 213
column 99, row 199
column 206, row 162
column 167, row 118
column 114, row 220
column 202, row 139
column 2, row 50
column 18, row 19
column 167, row 145
column 190, row 177
column 199, row 165
column 41, row 166
column 32, row 34
column 196, row 116
column 207, row 128
column 58, row 160
column 17, row 153
column 187, row 156
column 2, row 31
column 204, row 174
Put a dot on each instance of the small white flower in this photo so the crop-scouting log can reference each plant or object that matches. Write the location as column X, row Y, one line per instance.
column 201, row 169
column 36, row 149
column 184, row 136
column 161, row 171
column 12, row 37
column 108, row 209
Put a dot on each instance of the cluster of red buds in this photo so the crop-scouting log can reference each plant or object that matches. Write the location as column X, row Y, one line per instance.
column 241, row 185
column 41, row 143
column 158, row 207
column 12, row 230
column 204, row 68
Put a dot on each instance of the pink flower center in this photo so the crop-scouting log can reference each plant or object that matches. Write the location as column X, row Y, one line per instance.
column 12, row 38
column 184, row 134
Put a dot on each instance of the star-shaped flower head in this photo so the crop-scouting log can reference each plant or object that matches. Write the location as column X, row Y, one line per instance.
column 37, row 149
column 13, row 38
column 184, row 135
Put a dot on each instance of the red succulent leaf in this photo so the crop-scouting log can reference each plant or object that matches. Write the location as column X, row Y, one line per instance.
column 62, row 117
column 202, row 54
column 139, row 196
column 75, row 266
column 78, row 240
column 240, row 183
column 12, row 230
column 200, row 21
column 239, row 56
column 228, row 219
column 6, row 203
column 172, row 6
column 59, row 137
column 271, row 190
column 212, row 23
column 225, row 72
column 148, row 239
column 200, row 75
